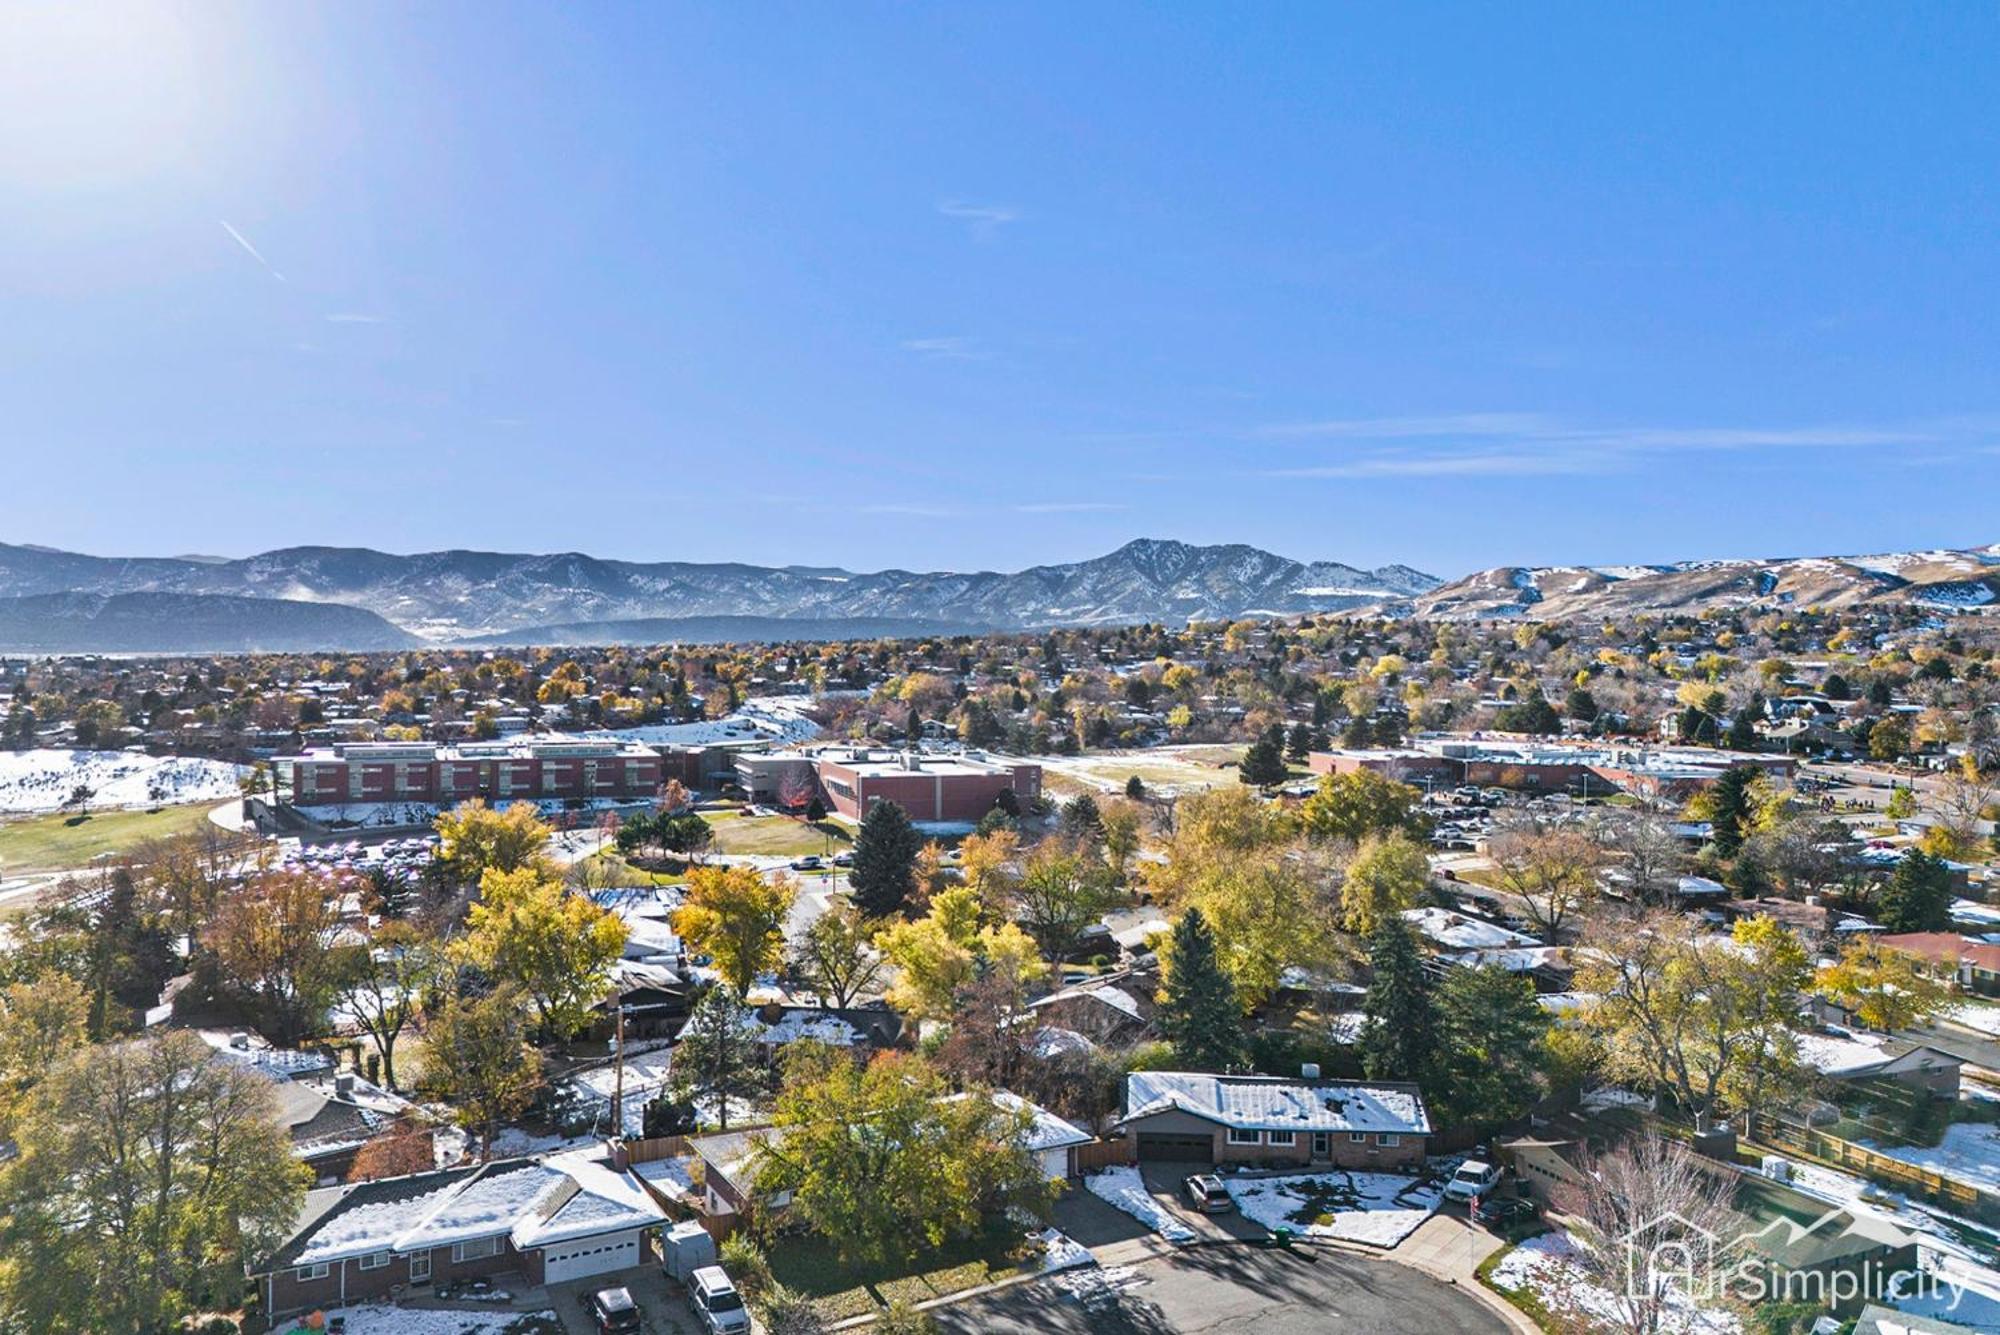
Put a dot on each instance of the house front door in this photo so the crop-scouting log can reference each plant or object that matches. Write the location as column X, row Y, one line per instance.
column 1322, row 1146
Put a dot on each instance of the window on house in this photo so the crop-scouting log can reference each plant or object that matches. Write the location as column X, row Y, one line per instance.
column 1386, row 1139
column 1281, row 1137
column 375, row 1261
column 319, row 1271
column 1357, row 1137
column 1238, row 1136
column 475, row 1250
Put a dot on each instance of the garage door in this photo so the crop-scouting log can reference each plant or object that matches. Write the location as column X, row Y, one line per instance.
column 1199, row 1149
column 590, row 1256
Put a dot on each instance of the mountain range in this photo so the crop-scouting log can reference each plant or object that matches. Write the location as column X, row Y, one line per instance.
column 1956, row 578
column 303, row 598
column 494, row 597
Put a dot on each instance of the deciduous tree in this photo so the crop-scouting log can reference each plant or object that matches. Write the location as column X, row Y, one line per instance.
column 834, row 959
column 477, row 1058
column 474, row 839
column 274, row 939
column 737, row 917
column 528, row 929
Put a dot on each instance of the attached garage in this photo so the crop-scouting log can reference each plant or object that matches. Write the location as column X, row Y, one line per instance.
column 1181, row 1148
column 590, row 1256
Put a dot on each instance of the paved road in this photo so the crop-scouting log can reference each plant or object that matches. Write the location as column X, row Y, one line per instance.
column 1213, row 1290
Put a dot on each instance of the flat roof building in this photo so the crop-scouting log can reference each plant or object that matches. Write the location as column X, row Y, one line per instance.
column 955, row 789
column 504, row 771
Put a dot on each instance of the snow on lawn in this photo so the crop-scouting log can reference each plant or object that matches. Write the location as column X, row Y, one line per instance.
column 43, row 780
column 1380, row 1209
column 379, row 1320
column 1121, row 1186
column 1545, row 1265
column 1061, row 1252
column 1969, row 1153
column 1979, row 1015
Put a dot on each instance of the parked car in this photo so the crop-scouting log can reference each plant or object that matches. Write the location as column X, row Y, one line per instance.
column 612, row 1311
column 1205, row 1192
column 716, row 1304
column 810, row 862
column 843, row 859
column 1474, row 1177
column 1502, row 1212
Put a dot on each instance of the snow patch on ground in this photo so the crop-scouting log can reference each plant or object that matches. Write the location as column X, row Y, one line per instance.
column 1981, row 1016
column 1062, row 1252
column 1122, row 1187
column 1969, row 1153
column 42, row 780
column 1380, row 1209
column 1546, row 1266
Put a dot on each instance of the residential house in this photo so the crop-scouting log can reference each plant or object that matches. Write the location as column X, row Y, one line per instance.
column 1973, row 965
column 1269, row 1120
column 560, row 1217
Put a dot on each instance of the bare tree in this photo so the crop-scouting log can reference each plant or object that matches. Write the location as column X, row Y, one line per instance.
column 1553, row 869
column 1651, row 857
column 1654, row 1232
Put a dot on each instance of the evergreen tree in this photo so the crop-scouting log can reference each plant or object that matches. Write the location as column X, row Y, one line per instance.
column 1135, row 788
column 815, row 809
column 885, row 860
column 717, row 1059
column 1198, row 1010
column 1264, row 765
column 1729, row 809
column 1081, row 819
column 1358, row 734
column 1742, row 735
column 1493, row 1045
column 1918, row 897
column 1581, row 705
column 1399, row 1037
column 1299, row 743
column 1534, row 716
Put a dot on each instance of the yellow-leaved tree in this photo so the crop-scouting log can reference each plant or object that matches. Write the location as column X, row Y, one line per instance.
column 528, row 929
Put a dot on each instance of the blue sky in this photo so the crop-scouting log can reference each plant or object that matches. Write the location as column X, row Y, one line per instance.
column 951, row 285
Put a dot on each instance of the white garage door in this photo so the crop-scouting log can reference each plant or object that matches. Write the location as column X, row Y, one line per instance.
column 590, row 1256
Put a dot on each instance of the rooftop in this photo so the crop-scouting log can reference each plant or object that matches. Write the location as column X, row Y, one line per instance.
column 1271, row 1103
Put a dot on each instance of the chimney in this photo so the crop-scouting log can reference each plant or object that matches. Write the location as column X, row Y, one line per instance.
column 343, row 1085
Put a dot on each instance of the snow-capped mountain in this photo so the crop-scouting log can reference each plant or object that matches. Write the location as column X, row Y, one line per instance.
column 444, row 596
column 1944, row 578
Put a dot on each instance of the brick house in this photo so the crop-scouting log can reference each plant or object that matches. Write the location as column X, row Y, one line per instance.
column 1269, row 1121
column 549, row 1219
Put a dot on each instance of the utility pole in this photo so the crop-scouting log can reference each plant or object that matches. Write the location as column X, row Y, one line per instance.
column 618, row 1076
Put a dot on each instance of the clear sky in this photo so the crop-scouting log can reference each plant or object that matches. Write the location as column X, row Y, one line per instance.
column 956, row 285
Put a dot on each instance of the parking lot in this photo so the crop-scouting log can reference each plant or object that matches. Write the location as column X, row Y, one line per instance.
column 662, row 1306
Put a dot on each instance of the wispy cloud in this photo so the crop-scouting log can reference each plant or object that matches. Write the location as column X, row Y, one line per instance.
column 1498, row 444
column 910, row 511
column 952, row 348
column 1068, row 507
column 355, row 317
column 251, row 250
column 983, row 220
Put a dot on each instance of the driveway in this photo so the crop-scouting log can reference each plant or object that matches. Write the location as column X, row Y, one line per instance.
column 1163, row 1179
column 662, row 1307
column 1213, row 1290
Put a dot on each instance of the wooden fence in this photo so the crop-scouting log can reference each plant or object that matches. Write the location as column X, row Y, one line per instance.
column 1105, row 1153
column 1936, row 1188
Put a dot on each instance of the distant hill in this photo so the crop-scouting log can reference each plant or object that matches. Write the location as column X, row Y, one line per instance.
column 172, row 623
column 722, row 630
column 460, row 595
column 1946, row 578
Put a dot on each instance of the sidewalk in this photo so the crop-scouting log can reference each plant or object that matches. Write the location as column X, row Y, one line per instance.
column 1450, row 1248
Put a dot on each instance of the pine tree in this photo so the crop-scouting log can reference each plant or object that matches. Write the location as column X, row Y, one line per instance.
column 1264, row 765
column 885, row 860
column 1918, row 897
column 717, row 1059
column 1399, row 1039
column 1729, row 809
column 1299, row 742
column 1198, row 1010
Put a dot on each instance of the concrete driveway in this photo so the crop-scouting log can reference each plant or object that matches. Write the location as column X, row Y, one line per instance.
column 1222, row 1290
column 1163, row 1179
column 662, row 1306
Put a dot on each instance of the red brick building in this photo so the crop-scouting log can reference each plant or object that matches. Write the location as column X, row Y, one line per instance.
column 957, row 788
column 499, row 772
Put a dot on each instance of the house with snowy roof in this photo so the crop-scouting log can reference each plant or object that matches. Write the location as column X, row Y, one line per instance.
column 1263, row 1120
column 553, row 1218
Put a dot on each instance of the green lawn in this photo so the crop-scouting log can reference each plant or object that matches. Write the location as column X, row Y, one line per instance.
column 841, row 1290
column 776, row 836
column 64, row 841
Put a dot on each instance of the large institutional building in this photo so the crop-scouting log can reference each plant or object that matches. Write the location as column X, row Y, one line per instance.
column 522, row 770
column 1670, row 772
column 957, row 788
